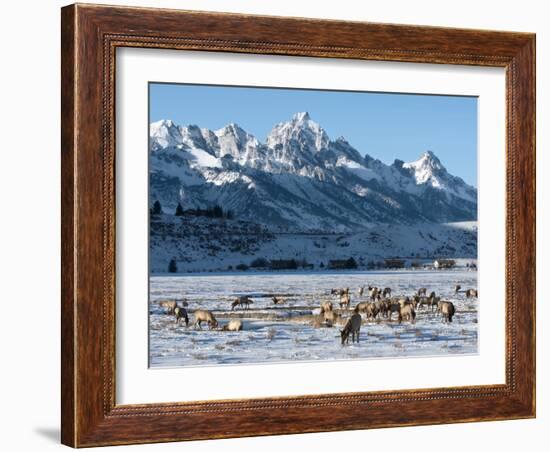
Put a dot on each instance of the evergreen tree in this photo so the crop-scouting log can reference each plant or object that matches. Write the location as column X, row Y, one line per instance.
column 173, row 266
column 179, row 211
column 157, row 208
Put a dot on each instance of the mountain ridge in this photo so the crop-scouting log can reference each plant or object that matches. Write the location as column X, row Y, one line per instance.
column 299, row 179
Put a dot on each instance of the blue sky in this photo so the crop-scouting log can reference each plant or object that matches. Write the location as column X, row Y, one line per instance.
column 385, row 126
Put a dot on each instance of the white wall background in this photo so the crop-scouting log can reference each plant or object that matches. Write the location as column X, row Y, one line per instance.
column 29, row 238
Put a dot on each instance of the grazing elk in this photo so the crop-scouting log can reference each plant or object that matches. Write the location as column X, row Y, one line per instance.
column 353, row 327
column 457, row 288
column 170, row 305
column 203, row 315
column 233, row 325
column 242, row 301
column 471, row 293
column 181, row 313
column 407, row 312
column 447, row 310
column 277, row 300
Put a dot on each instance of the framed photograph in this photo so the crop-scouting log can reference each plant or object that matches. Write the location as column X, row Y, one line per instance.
column 281, row 225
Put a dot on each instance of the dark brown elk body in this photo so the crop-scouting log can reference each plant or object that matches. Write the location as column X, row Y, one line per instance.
column 382, row 306
column 181, row 313
column 242, row 301
column 393, row 306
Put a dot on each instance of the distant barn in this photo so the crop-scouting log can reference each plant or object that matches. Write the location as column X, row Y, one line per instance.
column 441, row 264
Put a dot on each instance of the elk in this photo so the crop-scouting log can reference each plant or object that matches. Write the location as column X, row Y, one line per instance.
column 421, row 291
column 386, row 292
column 326, row 306
column 330, row 318
column 418, row 302
column 345, row 300
column 457, row 288
column 170, row 305
column 392, row 306
column 277, row 300
column 447, row 310
column 203, row 315
column 242, row 301
column 433, row 300
column 361, row 291
column 471, row 293
column 339, row 292
column 373, row 292
column 382, row 306
column 404, row 301
column 368, row 308
column 233, row 325
column 353, row 327
column 407, row 312
column 181, row 313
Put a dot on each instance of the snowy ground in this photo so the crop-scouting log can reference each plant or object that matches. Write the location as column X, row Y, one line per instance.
column 285, row 333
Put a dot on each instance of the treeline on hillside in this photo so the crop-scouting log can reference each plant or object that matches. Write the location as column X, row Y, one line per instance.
column 210, row 212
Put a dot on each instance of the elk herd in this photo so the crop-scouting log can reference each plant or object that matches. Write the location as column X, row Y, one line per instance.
column 375, row 304
column 381, row 305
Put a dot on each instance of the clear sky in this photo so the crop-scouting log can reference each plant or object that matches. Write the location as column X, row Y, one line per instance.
column 385, row 126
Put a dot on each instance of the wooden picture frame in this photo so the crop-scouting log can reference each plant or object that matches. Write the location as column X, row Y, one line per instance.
column 90, row 36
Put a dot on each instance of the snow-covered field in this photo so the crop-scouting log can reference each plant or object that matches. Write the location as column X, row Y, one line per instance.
column 282, row 333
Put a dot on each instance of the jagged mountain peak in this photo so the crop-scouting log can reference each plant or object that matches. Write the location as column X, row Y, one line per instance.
column 427, row 168
column 165, row 133
column 300, row 137
column 301, row 116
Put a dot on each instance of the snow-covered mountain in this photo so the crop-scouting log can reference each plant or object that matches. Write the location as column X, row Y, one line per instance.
column 299, row 179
